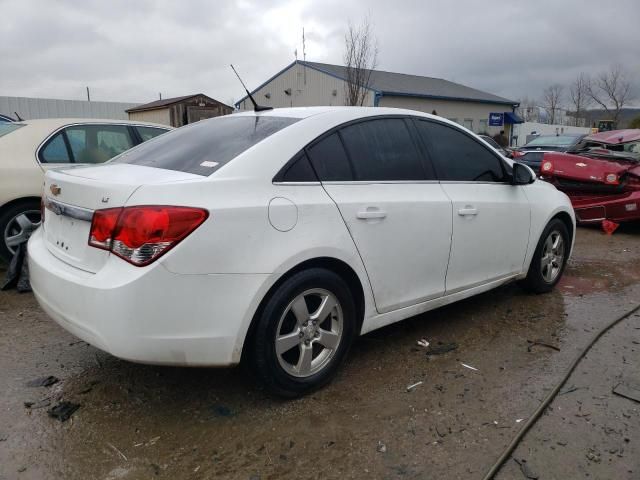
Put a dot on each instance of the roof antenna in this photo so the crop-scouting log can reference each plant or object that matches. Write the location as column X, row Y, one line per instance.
column 256, row 107
column 20, row 119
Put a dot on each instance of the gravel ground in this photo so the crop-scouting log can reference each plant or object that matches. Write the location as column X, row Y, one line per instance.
column 142, row 422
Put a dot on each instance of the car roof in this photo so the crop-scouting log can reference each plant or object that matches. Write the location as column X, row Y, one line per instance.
column 344, row 113
column 616, row 136
column 58, row 122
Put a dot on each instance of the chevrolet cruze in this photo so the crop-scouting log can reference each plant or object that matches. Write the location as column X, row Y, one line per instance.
column 276, row 237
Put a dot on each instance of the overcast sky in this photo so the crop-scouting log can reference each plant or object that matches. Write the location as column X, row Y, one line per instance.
column 131, row 50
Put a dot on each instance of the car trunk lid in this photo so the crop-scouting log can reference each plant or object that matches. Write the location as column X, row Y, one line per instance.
column 72, row 195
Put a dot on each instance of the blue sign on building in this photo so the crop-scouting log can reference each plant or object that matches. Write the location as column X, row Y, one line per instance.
column 496, row 119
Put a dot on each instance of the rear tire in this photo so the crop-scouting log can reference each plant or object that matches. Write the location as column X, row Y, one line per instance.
column 303, row 333
column 17, row 222
column 549, row 259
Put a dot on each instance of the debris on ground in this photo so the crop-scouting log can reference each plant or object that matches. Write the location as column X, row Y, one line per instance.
column 411, row 388
column 609, row 227
column 441, row 348
column 115, row 449
column 382, row 448
column 45, row 402
column 468, row 366
column 570, row 389
column 533, row 343
column 627, row 391
column 526, row 470
column 423, row 343
column 63, row 411
column 43, row 381
column 18, row 272
column 593, row 456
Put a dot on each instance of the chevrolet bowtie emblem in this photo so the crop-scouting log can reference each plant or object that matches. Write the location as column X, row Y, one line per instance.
column 55, row 189
column 581, row 164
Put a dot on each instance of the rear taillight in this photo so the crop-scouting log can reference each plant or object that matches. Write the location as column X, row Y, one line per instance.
column 547, row 166
column 517, row 154
column 140, row 235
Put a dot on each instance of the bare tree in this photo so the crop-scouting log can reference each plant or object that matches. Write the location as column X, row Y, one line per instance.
column 360, row 58
column 528, row 109
column 611, row 90
column 579, row 97
column 551, row 99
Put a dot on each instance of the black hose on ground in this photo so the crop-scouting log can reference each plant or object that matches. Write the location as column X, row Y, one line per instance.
column 543, row 406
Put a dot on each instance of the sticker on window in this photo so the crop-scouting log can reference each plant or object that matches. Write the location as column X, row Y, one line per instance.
column 209, row 164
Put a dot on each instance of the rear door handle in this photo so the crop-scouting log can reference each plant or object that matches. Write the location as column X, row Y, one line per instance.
column 369, row 214
column 468, row 211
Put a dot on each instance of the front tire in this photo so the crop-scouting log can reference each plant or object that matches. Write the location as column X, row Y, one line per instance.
column 303, row 333
column 549, row 259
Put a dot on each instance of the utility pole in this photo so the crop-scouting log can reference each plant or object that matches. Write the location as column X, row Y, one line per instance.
column 160, row 95
column 88, row 96
column 304, row 56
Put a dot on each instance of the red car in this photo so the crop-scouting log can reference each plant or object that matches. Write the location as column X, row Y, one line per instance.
column 601, row 176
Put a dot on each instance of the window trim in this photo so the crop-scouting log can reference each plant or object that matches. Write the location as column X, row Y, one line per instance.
column 82, row 124
column 425, row 160
column 503, row 166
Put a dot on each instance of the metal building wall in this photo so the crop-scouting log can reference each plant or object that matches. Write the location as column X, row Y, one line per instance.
column 30, row 108
column 319, row 89
column 162, row 116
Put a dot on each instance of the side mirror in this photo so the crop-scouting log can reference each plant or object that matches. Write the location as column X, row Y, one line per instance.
column 522, row 175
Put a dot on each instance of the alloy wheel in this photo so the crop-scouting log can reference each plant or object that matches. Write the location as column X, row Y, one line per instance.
column 309, row 332
column 552, row 256
column 20, row 228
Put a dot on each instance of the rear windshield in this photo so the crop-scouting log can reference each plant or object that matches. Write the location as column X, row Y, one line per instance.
column 9, row 127
column 553, row 141
column 203, row 147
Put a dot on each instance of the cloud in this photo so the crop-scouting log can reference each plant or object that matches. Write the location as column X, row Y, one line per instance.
column 131, row 51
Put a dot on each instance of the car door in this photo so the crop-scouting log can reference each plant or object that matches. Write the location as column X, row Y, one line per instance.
column 491, row 217
column 396, row 212
column 85, row 144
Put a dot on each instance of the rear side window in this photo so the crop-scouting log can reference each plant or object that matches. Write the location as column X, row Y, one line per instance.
column 330, row 160
column 55, row 151
column 297, row 170
column 383, row 149
column 458, row 157
column 97, row 143
column 203, row 147
column 147, row 133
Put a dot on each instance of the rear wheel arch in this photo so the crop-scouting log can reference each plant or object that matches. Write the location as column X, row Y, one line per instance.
column 339, row 267
column 15, row 201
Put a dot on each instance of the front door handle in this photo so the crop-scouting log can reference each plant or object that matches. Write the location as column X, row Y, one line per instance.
column 369, row 214
column 468, row 211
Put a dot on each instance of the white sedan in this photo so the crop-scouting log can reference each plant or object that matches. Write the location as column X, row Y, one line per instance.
column 277, row 237
column 29, row 148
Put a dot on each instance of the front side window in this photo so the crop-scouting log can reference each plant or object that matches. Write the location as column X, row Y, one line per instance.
column 203, row 147
column 382, row 150
column 458, row 157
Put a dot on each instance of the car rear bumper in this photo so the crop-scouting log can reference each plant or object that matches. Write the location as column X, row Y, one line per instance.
column 147, row 315
column 618, row 208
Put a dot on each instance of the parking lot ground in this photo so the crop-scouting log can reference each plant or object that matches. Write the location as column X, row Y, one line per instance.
column 141, row 422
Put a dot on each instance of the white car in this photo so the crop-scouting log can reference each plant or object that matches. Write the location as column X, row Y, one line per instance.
column 29, row 148
column 277, row 237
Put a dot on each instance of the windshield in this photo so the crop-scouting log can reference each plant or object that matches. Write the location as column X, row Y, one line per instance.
column 203, row 147
column 553, row 141
column 6, row 128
